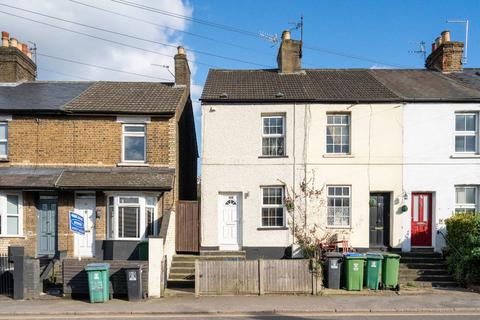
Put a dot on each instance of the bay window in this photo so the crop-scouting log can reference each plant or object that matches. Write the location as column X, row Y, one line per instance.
column 131, row 216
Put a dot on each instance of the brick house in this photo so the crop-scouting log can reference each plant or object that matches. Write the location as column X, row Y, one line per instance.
column 119, row 153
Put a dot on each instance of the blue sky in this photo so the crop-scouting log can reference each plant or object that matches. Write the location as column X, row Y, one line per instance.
column 382, row 33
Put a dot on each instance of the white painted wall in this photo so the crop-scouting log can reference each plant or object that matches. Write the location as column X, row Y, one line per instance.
column 231, row 163
column 430, row 163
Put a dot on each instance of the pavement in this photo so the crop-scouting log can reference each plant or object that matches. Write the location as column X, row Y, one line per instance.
column 433, row 301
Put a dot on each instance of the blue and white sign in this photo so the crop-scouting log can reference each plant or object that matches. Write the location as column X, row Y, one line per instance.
column 77, row 224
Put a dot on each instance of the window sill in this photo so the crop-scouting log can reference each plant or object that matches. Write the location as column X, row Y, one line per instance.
column 13, row 236
column 132, row 164
column 340, row 227
column 271, row 157
column 272, row 228
column 338, row 155
column 127, row 239
column 465, row 156
column 4, row 160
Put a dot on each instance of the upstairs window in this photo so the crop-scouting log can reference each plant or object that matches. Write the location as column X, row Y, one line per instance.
column 3, row 140
column 466, row 199
column 134, row 143
column 273, row 136
column 466, row 132
column 338, row 133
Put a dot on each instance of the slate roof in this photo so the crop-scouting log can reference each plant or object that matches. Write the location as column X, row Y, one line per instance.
column 160, row 179
column 92, row 97
column 339, row 86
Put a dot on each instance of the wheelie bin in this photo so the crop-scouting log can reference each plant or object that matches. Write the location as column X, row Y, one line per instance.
column 390, row 269
column 354, row 263
column 98, row 281
column 333, row 269
column 373, row 270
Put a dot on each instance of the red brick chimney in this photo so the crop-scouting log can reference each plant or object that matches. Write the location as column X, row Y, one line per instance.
column 446, row 55
column 289, row 58
column 16, row 62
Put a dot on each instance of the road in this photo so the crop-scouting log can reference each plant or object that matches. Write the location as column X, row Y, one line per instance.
column 356, row 316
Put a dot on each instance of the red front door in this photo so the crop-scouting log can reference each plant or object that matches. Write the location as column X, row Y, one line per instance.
column 421, row 219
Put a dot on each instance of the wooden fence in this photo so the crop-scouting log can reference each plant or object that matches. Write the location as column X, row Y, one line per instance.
column 254, row 277
column 187, row 227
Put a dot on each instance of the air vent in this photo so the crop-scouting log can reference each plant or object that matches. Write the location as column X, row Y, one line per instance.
column 224, row 95
column 279, row 95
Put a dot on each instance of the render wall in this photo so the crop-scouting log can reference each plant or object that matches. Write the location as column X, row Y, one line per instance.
column 431, row 165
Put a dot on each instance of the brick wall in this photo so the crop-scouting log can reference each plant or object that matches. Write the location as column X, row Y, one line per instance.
column 15, row 66
column 77, row 140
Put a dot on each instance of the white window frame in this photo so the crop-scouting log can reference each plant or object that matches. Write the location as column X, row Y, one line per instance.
column 461, row 207
column 134, row 134
column 474, row 133
column 342, row 197
column 343, row 125
column 274, row 135
column 5, row 141
column 282, row 206
column 112, row 226
column 4, row 214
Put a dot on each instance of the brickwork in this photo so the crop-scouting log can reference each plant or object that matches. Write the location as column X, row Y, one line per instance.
column 76, row 140
column 15, row 66
column 446, row 58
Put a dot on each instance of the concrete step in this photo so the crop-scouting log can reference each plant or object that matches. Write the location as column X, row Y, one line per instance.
column 422, row 272
column 430, row 278
column 421, row 259
column 429, row 284
column 181, row 284
column 184, row 257
column 183, row 264
column 222, row 253
column 190, row 270
column 181, row 276
column 421, row 254
column 422, row 265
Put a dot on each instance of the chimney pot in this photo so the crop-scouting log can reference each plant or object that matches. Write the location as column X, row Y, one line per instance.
column 434, row 46
column 5, row 37
column 286, row 35
column 13, row 42
column 445, row 36
column 24, row 48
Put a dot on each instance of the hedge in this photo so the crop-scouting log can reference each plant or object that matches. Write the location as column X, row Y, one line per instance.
column 463, row 239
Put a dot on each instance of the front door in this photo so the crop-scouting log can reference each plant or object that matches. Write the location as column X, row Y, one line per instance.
column 379, row 220
column 85, row 205
column 421, row 219
column 230, row 219
column 47, row 226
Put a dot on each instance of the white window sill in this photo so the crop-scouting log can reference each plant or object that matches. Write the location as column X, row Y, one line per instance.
column 272, row 228
column 13, row 236
column 133, row 164
column 338, row 155
column 465, row 156
column 128, row 239
column 340, row 227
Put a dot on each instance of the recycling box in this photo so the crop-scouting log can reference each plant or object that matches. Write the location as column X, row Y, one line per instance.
column 98, row 281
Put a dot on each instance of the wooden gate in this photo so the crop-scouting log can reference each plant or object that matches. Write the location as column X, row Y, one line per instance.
column 187, row 227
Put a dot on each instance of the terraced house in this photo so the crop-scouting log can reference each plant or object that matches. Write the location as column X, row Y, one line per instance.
column 395, row 152
column 119, row 153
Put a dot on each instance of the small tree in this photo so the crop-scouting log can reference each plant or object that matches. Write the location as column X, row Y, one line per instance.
column 306, row 207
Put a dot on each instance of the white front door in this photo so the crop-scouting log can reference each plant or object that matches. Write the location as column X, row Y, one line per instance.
column 85, row 205
column 230, row 221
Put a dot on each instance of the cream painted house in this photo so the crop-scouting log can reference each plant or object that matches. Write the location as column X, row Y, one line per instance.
column 266, row 131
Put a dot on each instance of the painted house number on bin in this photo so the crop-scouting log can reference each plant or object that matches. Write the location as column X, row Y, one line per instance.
column 132, row 276
column 373, row 264
column 355, row 267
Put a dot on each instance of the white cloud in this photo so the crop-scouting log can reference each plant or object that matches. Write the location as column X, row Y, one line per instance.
column 72, row 46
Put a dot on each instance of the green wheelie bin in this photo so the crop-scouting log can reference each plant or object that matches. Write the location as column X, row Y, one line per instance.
column 390, row 270
column 98, row 281
column 373, row 270
column 354, row 271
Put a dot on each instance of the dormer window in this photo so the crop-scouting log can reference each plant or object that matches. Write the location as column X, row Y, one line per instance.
column 134, row 143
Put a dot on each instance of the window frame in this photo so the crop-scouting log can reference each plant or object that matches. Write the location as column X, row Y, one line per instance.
column 333, row 226
column 4, row 214
column 5, row 141
column 349, row 126
column 462, row 207
column 282, row 206
column 134, row 134
column 274, row 135
column 113, row 209
column 470, row 133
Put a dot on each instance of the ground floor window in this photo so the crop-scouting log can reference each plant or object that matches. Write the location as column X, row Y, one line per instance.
column 272, row 207
column 11, row 215
column 132, row 216
column 338, row 206
column 466, row 199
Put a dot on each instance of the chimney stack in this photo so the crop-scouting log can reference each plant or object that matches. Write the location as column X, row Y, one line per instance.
column 446, row 55
column 182, row 70
column 289, row 58
column 16, row 62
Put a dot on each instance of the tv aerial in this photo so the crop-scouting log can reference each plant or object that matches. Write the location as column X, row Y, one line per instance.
column 421, row 49
column 465, row 52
